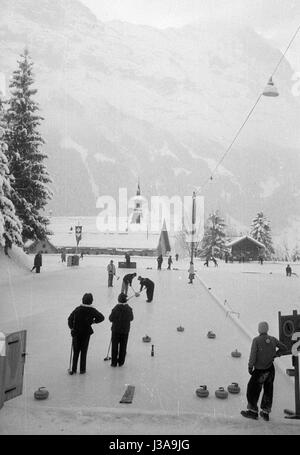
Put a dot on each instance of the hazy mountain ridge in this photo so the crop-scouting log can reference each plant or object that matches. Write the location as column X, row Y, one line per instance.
column 155, row 101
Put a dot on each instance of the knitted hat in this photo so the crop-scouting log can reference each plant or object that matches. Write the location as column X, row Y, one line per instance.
column 87, row 299
column 263, row 327
column 122, row 298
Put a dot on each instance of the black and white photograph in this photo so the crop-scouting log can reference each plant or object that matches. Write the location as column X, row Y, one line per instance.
column 149, row 220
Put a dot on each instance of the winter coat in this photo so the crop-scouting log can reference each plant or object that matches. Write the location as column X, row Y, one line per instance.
column 128, row 278
column 191, row 270
column 111, row 269
column 263, row 351
column 121, row 316
column 38, row 260
column 147, row 283
column 170, row 260
column 81, row 319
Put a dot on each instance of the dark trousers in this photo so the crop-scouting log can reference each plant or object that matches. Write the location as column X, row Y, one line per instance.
column 110, row 279
column 191, row 277
column 261, row 379
column 149, row 292
column 159, row 266
column 80, row 346
column 37, row 268
column 118, row 347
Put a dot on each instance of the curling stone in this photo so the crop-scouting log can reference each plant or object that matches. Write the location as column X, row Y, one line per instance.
column 221, row 393
column 236, row 353
column 41, row 394
column 211, row 334
column 180, row 329
column 234, row 388
column 202, row 391
column 146, row 339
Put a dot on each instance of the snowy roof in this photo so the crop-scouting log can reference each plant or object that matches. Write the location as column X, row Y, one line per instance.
column 132, row 240
column 63, row 236
column 240, row 239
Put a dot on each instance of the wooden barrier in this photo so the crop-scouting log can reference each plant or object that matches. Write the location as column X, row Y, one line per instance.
column 127, row 265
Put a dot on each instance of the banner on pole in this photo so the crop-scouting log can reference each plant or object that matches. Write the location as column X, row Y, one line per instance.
column 78, row 233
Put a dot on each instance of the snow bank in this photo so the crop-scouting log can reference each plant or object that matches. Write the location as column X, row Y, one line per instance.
column 16, row 265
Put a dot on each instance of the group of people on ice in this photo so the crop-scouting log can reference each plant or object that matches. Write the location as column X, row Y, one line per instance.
column 80, row 323
column 160, row 260
column 264, row 349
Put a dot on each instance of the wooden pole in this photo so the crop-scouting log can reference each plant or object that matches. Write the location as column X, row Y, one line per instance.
column 193, row 224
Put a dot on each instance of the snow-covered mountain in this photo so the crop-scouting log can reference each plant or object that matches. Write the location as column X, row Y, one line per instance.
column 122, row 101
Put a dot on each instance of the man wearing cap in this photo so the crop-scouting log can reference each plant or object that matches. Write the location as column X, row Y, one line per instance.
column 260, row 366
column 121, row 316
column 80, row 321
column 127, row 281
column 149, row 285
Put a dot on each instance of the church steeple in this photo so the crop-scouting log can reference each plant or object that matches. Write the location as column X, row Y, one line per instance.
column 137, row 215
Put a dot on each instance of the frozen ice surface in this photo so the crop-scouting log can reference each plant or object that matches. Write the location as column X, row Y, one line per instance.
column 166, row 383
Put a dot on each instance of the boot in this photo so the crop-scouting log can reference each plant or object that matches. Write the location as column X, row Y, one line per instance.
column 250, row 414
column 264, row 415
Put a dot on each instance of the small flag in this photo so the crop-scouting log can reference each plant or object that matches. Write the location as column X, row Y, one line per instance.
column 78, row 233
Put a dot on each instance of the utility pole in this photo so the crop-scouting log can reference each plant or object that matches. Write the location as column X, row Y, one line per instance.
column 193, row 225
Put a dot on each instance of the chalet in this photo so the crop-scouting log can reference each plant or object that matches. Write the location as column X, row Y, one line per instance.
column 246, row 247
column 45, row 246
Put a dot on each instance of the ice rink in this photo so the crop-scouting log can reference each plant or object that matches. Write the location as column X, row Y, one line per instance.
column 165, row 385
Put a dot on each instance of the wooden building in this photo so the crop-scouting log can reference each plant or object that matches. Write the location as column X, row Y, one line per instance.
column 45, row 246
column 246, row 249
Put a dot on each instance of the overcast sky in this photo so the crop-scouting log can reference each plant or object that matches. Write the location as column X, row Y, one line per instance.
column 277, row 19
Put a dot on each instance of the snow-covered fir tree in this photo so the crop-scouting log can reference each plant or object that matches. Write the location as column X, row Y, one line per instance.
column 10, row 225
column 30, row 185
column 213, row 242
column 261, row 231
column 296, row 253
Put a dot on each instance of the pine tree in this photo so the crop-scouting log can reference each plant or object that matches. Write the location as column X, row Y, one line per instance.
column 213, row 243
column 261, row 231
column 30, row 185
column 10, row 225
column 296, row 253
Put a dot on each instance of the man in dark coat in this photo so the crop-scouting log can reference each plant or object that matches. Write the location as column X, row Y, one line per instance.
column 127, row 260
column 149, row 285
column 37, row 262
column 288, row 270
column 80, row 321
column 170, row 262
column 127, row 281
column 159, row 261
column 262, row 371
column 121, row 316
column 207, row 260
